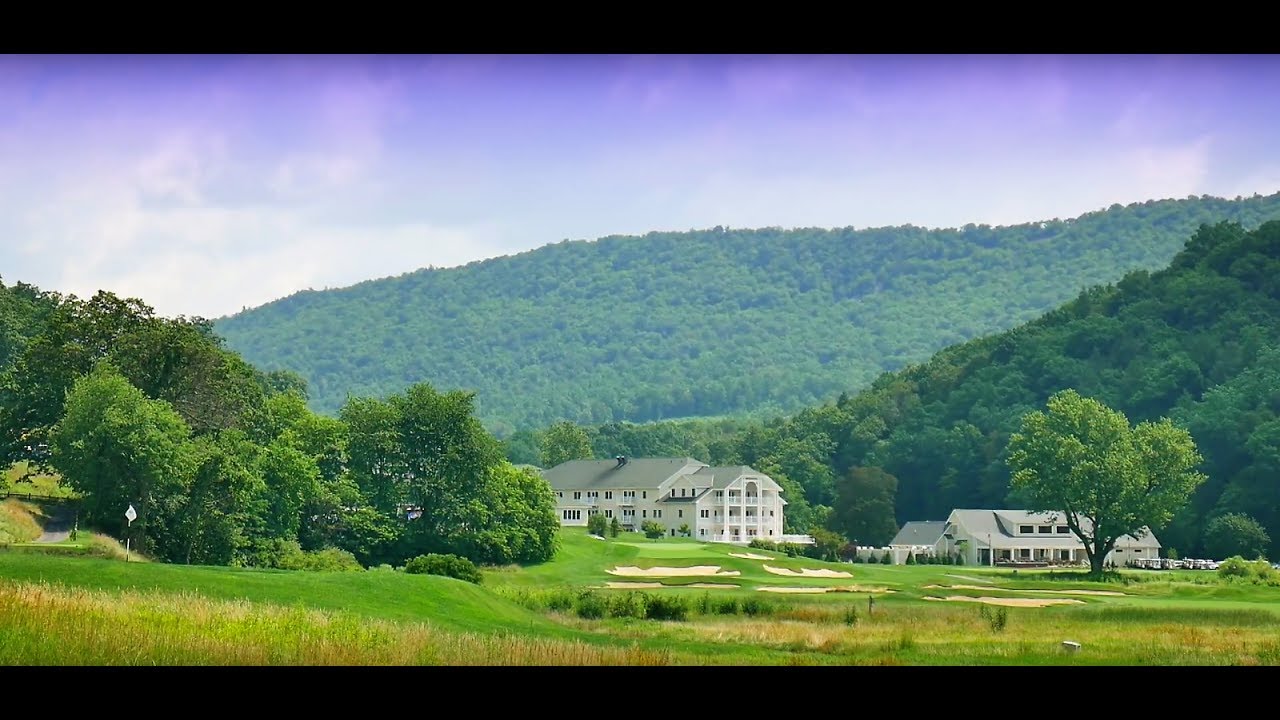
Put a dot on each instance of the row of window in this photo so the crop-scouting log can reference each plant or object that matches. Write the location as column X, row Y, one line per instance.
column 1043, row 529
column 644, row 495
column 572, row 514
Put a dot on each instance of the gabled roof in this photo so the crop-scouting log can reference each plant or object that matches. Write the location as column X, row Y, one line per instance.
column 687, row 499
column 607, row 474
column 920, row 532
column 723, row 476
column 1004, row 524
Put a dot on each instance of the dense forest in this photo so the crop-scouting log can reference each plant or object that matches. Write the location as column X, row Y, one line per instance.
column 226, row 465
column 1198, row 342
column 722, row 322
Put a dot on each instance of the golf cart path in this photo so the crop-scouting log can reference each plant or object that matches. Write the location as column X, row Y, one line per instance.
column 57, row 526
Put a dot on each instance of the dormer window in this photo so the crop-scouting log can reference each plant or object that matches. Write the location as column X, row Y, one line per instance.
column 1046, row 529
column 1063, row 529
column 1026, row 529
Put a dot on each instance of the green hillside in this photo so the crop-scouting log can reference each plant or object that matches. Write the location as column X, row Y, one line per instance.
column 703, row 323
column 1198, row 341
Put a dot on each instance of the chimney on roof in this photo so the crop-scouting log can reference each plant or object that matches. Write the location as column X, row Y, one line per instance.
column 622, row 460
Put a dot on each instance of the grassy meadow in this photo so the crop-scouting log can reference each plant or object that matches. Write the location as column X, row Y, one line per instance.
column 565, row 612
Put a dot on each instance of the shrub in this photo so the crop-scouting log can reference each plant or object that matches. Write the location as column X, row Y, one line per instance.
column 911, row 558
column 1235, row 567
column 959, row 559
column 615, row 527
column 1257, row 571
column 560, row 600
column 727, row 606
column 705, row 606
column 826, row 545
column 629, row 604
column 666, row 607
column 887, row 559
column 997, row 618
column 327, row 560
column 873, row 559
column 763, row 544
column 653, row 529
column 447, row 565
column 591, row 605
column 857, row 559
column 849, row 551
column 754, row 606
column 851, row 616
column 597, row 524
column 684, row 530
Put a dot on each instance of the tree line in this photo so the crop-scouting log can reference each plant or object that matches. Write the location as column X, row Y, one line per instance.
column 226, row 464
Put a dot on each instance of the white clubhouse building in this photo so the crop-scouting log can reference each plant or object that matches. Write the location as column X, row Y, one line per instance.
column 733, row 504
column 993, row 537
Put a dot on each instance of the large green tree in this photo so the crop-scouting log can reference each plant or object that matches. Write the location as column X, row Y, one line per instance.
column 1235, row 534
column 563, row 442
column 863, row 509
column 117, row 447
column 423, row 459
column 1084, row 461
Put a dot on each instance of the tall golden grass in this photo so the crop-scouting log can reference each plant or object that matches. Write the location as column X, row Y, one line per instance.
column 42, row 624
column 919, row 635
column 18, row 521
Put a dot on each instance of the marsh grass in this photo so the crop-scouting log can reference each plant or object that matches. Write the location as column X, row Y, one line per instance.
column 148, row 628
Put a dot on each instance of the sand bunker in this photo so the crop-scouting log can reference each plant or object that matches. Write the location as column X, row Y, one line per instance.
column 807, row 572
column 1026, row 590
column 653, row 585
column 750, row 556
column 843, row 588
column 632, row 585
column 1010, row 602
column 696, row 570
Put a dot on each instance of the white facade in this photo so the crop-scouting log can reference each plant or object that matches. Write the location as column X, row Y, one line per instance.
column 994, row 537
column 721, row 504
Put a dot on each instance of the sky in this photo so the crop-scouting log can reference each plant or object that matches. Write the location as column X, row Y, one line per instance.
column 209, row 184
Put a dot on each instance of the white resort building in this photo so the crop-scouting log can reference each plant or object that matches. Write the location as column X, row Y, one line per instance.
column 999, row 537
column 733, row 504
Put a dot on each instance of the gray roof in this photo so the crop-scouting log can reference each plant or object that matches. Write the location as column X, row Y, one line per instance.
column 920, row 532
column 607, row 474
column 722, row 476
column 686, row 499
column 1004, row 524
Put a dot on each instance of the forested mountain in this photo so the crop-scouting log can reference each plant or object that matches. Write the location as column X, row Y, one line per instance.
column 715, row 322
column 1198, row 342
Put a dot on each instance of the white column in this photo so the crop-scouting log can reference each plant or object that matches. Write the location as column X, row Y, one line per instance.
column 724, row 517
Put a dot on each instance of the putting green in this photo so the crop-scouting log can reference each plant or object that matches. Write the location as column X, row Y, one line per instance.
column 671, row 550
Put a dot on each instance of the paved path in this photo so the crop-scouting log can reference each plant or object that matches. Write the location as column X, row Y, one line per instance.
column 57, row 528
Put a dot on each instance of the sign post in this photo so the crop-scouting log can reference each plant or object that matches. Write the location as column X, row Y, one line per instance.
column 129, row 515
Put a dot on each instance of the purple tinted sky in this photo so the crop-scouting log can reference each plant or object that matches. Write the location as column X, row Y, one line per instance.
column 206, row 184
